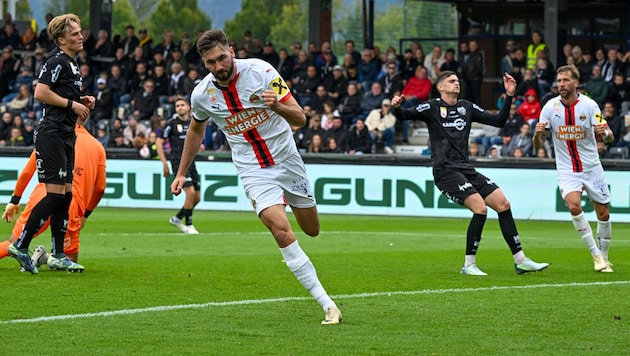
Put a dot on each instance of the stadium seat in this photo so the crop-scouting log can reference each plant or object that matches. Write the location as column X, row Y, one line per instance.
column 618, row 152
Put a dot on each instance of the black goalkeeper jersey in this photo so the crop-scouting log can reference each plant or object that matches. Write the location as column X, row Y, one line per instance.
column 61, row 73
column 449, row 128
column 175, row 132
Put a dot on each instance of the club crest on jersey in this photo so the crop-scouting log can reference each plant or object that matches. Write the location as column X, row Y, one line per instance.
column 254, row 98
column 212, row 94
column 74, row 68
column 582, row 116
column 180, row 128
column 443, row 112
column 461, row 110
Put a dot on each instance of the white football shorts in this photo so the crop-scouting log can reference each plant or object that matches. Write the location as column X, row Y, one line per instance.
column 285, row 183
column 593, row 182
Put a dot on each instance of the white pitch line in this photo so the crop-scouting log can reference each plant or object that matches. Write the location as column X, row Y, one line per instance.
column 286, row 299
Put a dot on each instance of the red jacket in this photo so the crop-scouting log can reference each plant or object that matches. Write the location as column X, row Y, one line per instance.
column 421, row 88
column 530, row 110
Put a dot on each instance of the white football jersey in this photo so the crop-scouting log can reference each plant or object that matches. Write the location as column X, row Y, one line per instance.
column 573, row 132
column 258, row 136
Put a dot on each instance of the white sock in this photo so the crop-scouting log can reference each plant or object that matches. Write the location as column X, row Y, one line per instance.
column 519, row 257
column 470, row 259
column 300, row 265
column 604, row 232
column 586, row 233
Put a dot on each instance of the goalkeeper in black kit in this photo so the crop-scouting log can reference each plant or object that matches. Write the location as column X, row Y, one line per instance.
column 449, row 121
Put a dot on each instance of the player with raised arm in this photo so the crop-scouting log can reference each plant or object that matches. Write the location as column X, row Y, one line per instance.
column 574, row 121
column 59, row 87
column 250, row 102
column 88, row 189
column 175, row 133
column 449, row 122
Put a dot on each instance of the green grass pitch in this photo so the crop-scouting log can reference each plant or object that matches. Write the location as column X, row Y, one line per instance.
column 150, row 290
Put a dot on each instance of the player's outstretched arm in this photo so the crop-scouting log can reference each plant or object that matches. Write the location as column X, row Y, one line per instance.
column 192, row 143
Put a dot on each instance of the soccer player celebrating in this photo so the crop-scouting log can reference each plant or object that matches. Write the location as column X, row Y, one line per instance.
column 58, row 87
column 250, row 102
column 88, row 188
column 449, row 121
column 175, row 132
column 574, row 121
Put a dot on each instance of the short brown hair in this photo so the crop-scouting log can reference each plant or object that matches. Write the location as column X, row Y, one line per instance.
column 59, row 25
column 571, row 69
column 211, row 39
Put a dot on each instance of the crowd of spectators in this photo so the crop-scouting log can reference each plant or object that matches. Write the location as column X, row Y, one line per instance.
column 346, row 96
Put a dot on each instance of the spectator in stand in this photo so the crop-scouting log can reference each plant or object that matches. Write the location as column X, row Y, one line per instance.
column 20, row 102
column 553, row 92
column 336, row 85
column 407, row 67
column 545, row 73
column 351, row 69
column 333, row 146
column 307, row 86
column 38, row 60
column 29, row 40
column 130, row 42
column 433, row 61
column 474, row 150
column 136, row 82
column 314, row 128
column 600, row 57
column 176, row 57
column 28, row 133
column 372, row 99
column 473, row 71
column 327, row 114
column 146, row 42
column 618, row 92
column 612, row 65
column 89, row 82
column 8, row 72
column 43, row 40
column 512, row 127
column 145, row 102
column 327, row 64
column 117, row 140
column 162, row 83
column 392, row 82
column 89, row 41
column 319, row 98
column 418, row 88
column 597, row 87
column 530, row 108
column 381, row 125
column 15, row 138
column 118, row 85
column 615, row 121
column 166, row 46
column 300, row 66
column 567, row 55
column 464, row 53
column 190, row 81
column 296, row 47
column 339, row 132
column 507, row 64
column 530, row 81
column 351, row 50
column 537, row 45
column 578, row 60
column 104, row 47
column 137, row 56
column 317, row 144
column 11, row 37
column 359, row 140
column 542, row 153
column 123, row 63
column 523, row 141
column 285, row 64
column 449, row 61
column 133, row 128
column 269, row 54
column 368, row 70
column 350, row 106
column 103, row 107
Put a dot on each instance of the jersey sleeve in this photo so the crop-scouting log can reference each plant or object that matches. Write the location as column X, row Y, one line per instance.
column 277, row 84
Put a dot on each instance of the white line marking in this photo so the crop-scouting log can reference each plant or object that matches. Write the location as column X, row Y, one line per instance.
column 275, row 300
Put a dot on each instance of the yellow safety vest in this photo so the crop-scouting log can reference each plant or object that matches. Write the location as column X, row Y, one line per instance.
column 531, row 54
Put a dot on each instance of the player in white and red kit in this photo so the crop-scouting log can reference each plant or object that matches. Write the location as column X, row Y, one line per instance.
column 250, row 102
column 574, row 121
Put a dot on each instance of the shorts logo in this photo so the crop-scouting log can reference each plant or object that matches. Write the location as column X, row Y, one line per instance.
column 464, row 186
column 279, row 87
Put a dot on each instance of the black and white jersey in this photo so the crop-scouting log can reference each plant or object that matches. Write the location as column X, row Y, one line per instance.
column 175, row 132
column 449, row 128
column 61, row 73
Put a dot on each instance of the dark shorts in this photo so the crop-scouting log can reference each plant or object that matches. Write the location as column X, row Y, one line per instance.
column 457, row 185
column 55, row 159
column 192, row 177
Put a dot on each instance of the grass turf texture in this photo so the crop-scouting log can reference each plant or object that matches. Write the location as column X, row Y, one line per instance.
column 396, row 280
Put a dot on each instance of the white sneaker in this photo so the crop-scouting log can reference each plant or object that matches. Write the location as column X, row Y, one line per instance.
column 388, row 150
column 175, row 221
column 473, row 270
column 608, row 268
column 333, row 316
column 529, row 266
column 599, row 263
column 40, row 256
column 190, row 230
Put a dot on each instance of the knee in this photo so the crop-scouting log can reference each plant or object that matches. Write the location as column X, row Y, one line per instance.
column 312, row 230
column 575, row 210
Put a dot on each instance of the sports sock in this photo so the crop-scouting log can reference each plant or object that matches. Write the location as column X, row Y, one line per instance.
column 586, row 233
column 40, row 214
column 604, row 232
column 300, row 265
column 508, row 229
column 473, row 237
column 188, row 216
column 59, row 225
column 4, row 246
column 180, row 214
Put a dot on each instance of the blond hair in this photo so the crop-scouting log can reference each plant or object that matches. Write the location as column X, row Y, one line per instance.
column 59, row 25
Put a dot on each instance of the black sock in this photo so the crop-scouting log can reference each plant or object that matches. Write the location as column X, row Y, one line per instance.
column 180, row 214
column 473, row 235
column 188, row 216
column 508, row 228
column 59, row 225
column 40, row 214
